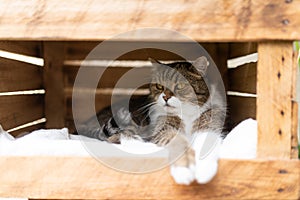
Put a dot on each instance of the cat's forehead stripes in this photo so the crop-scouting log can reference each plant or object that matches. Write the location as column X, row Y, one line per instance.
column 170, row 75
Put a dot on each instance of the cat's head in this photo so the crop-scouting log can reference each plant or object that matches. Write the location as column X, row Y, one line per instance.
column 179, row 83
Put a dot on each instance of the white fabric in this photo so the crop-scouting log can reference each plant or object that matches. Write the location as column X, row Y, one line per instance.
column 240, row 143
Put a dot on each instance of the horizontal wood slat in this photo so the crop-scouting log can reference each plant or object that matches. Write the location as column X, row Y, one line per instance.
column 80, row 50
column 240, row 108
column 236, row 179
column 109, row 78
column 243, row 78
column 201, row 20
column 21, row 109
column 27, row 48
column 18, row 76
column 101, row 101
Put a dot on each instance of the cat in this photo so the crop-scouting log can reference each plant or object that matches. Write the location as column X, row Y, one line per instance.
column 182, row 112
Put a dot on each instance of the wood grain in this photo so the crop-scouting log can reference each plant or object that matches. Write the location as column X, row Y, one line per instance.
column 54, row 84
column 295, row 109
column 18, row 76
column 109, row 78
column 240, row 108
column 243, row 78
column 102, row 100
column 28, row 48
column 80, row 50
column 238, row 49
column 201, row 20
column 275, row 90
column 294, row 134
column 247, row 179
column 21, row 109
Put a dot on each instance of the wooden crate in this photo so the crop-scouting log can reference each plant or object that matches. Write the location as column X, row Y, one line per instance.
column 59, row 32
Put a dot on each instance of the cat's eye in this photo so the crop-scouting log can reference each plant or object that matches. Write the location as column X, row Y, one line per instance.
column 159, row 86
column 180, row 86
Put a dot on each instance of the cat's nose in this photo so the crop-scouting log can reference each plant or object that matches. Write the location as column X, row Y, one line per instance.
column 166, row 98
column 167, row 95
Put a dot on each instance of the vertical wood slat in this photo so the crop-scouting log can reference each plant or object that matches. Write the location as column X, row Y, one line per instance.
column 295, row 114
column 275, row 92
column 294, row 136
column 54, row 85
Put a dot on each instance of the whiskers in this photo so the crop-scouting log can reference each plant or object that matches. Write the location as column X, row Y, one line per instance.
column 145, row 108
column 143, row 112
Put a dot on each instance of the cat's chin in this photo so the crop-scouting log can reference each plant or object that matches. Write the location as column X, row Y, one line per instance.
column 171, row 110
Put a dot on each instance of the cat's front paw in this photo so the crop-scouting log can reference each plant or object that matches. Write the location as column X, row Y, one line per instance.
column 123, row 116
column 183, row 175
column 205, row 171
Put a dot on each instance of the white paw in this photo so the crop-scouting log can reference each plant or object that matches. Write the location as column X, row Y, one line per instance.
column 182, row 175
column 205, row 171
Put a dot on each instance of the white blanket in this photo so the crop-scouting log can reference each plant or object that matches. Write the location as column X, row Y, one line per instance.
column 240, row 143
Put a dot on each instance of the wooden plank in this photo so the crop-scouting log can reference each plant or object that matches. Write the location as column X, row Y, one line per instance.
column 295, row 114
column 21, row 109
column 238, row 49
column 275, row 92
column 236, row 179
column 243, row 78
column 294, row 135
column 54, row 84
column 18, row 76
column 220, row 58
column 28, row 48
column 109, row 78
column 229, row 21
column 80, row 50
column 240, row 108
column 101, row 101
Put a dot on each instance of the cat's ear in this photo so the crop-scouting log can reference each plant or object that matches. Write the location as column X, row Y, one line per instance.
column 201, row 64
column 156, row 65
column 154, row 62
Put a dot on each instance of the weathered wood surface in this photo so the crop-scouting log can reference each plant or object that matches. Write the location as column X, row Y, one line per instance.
column 18, row 76
column 240, row 108
column 243, row 78
column 201, row 20
column 109, row 78
column 144, row 50
column 27, row 48
column 54, row 84
column 294, row 135
column 275, row 91
column 238, row 49
column 60, row 178
column 20, row 109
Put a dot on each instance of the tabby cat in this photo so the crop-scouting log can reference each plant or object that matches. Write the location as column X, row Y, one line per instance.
column 181, row 111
